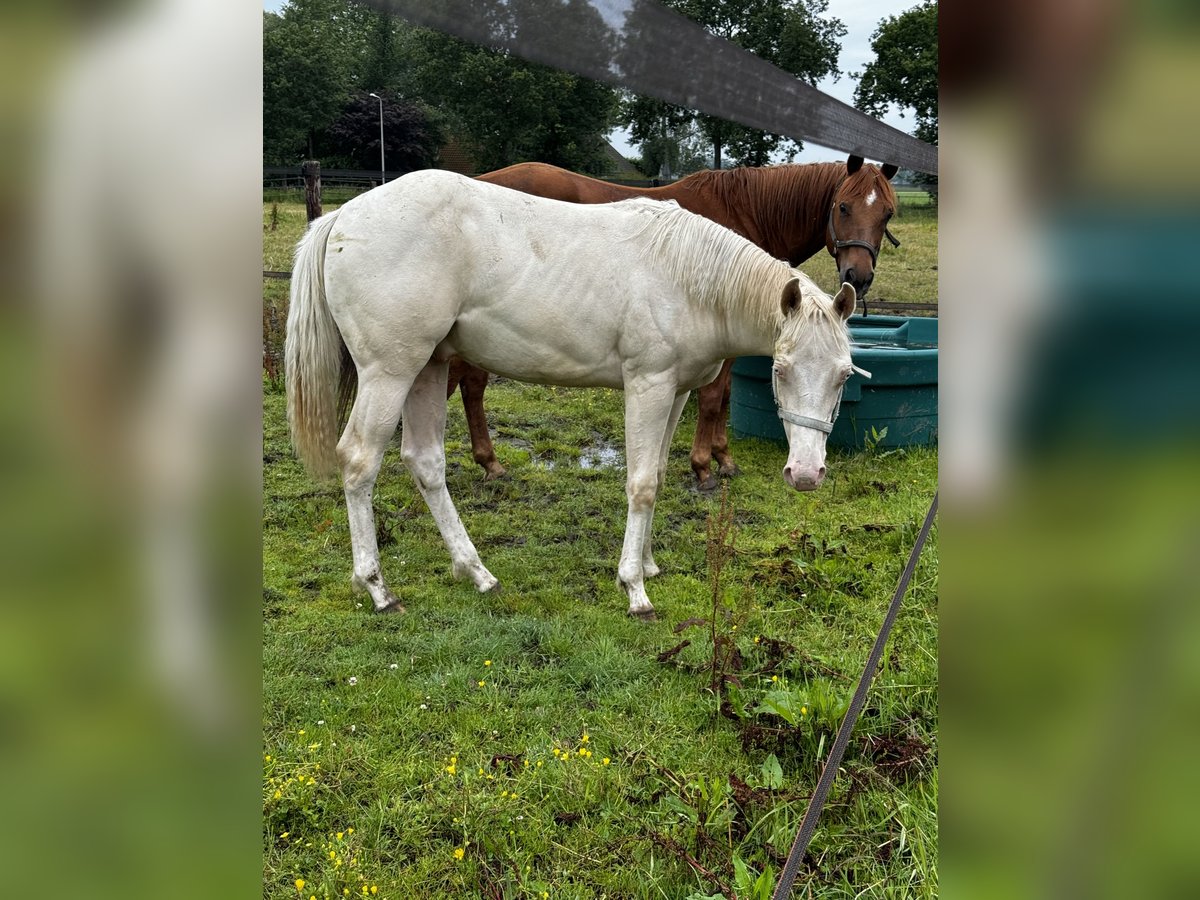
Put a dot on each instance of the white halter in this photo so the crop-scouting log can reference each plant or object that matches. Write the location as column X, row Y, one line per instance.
column 808, row 421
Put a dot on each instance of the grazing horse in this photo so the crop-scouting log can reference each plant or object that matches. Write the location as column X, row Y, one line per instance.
column 790, row 211
column 638, row 295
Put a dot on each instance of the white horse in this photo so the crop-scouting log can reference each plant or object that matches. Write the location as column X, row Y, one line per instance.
column 638, row 295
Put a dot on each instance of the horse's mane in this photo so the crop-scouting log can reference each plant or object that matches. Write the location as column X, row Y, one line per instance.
column 722, row 270
column 778, row 195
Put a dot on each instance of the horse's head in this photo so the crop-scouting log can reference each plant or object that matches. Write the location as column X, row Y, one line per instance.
column 858, row 218
column 811, row 365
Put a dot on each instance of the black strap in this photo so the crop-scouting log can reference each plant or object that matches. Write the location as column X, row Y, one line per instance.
column 870, row 248
column 809, row 824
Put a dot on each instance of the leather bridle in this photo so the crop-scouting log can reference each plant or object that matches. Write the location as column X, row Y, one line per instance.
column 870, row 248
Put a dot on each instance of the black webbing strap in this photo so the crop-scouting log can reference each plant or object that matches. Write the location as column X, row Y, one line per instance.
column 813, row 813
column 650, row 49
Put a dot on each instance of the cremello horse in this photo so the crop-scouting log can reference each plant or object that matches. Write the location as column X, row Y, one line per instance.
column 639, row 295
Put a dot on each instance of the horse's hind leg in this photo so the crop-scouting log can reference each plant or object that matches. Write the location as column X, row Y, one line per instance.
column 424, row 451
column 472, row 384
column 372, row 423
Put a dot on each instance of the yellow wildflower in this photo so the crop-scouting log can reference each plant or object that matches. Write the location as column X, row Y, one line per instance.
column 804, row 710
column 605, row 761
column 459, row 852
column 584, row 739
column 349, row 831
column 482, row 683
column 487, row 662
column 374, row 889
column 299, row 884
column 339, row 835
column 757, row 638
column 774, row 678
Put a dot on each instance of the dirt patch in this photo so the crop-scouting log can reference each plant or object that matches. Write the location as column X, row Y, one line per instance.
column 898, row 757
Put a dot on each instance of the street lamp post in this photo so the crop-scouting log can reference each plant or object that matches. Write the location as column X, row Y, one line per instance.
column 382, row 167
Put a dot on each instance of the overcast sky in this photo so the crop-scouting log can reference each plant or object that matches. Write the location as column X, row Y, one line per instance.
column 861, row 18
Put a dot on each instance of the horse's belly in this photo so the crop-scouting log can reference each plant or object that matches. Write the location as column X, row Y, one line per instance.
column 535, row 356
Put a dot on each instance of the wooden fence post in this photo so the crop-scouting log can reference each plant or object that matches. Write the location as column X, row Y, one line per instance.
column 311, row 170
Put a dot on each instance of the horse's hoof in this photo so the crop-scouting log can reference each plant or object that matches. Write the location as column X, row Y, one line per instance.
column 708, row 484
column 644, row 615
column 491, row 473
column 392, row 606
column 494, row 588
column 729, row 470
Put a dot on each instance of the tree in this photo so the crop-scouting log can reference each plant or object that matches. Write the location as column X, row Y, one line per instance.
column 510, row 110
column 411, row 137
column 311, row 56
column 796, row 35
column 905, row 69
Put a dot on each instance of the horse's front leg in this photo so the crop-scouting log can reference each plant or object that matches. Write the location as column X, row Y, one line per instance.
column 649, row 407
column 649, row 566
column 423, row 448
column 726, row 467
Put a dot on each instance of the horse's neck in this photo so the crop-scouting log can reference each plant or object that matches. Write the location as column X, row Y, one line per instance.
column 797, row 231
column 747, row 321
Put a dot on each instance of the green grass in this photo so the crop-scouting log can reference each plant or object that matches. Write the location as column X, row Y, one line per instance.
column 398, row 755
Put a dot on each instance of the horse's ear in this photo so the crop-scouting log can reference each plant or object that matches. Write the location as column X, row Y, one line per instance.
column 853, row 164
column 845, row 300
column 790, row 301
column 889, row 171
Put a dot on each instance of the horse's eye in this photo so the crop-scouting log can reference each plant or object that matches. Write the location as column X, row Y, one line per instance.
column 843, row 209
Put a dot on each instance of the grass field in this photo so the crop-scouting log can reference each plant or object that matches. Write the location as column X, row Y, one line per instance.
column 538, row 743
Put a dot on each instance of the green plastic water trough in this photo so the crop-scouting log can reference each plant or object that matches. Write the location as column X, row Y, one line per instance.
column 901, row 395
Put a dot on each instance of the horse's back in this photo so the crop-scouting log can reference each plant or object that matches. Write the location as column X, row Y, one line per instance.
column 553, row 183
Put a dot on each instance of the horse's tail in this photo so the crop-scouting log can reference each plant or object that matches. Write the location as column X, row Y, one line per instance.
column 314, row 355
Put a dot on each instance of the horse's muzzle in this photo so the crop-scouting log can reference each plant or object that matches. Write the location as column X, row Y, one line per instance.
column 861, row 284
column 803, row 478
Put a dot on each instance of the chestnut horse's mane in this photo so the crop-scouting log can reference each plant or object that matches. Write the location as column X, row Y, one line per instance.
column 783, row 193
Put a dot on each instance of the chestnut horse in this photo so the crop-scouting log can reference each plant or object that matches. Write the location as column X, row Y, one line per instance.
column 790, row 211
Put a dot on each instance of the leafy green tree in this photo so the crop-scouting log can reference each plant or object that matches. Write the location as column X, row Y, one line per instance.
column 905, row 69
column 411, row 137
column 312, row 54
column 510, row 110
column 796, row 35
